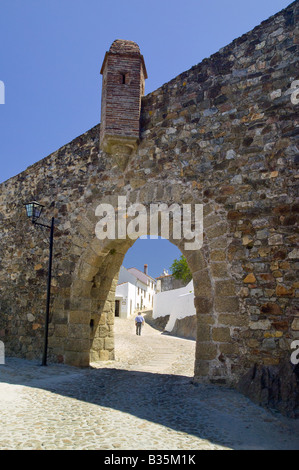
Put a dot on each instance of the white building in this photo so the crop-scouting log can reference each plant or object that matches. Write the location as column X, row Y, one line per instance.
column 177, row 303
column 135, row 291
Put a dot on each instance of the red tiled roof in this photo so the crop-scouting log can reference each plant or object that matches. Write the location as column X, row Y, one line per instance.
column 141, row 276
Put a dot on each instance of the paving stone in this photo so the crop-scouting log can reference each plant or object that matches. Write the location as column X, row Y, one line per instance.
column 144, row 400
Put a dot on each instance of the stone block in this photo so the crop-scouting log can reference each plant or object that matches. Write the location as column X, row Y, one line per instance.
column 203, row 332
column 260, row 325
column 59, row 316
column 275, row 239
column 93, row 259
column 250, row 279
column 294, row 254
column 271, row 334
column 195, row 260
column 271, row 361
column 280, row 326
column 227, row 304
column 221, row 335
column 109, row 343
column 218, row 255
column 202, row 369
column 206, row 319
column 94, row 356
column 104, row 355
column 233, row 320
column 269, row 344
column 97, row 344
column 210, row 220
column 101, row 319
column 65, row 281
column 80, row 303
column 216, row 231
column 76, row 359
column 110, row 318
column 219, row 270
column 218, row 244
column 253, row 343
column 264, row 251
column 56, row 342
column 61, row 331
column 103, row 331
column 271, row 308
column 86, row 272
column 225, row 288
column 202, row 283
column 229, row 349
column 203, row 305
column 79, row 316
column 100, row 247
column 206, row 351
column 283, row 291
column 79, row 345
column 78, row 331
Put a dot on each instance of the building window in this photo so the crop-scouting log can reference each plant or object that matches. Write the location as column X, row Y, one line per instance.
column 124, row 78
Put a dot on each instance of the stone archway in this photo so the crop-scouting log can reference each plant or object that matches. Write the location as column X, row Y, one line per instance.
column 90, row 334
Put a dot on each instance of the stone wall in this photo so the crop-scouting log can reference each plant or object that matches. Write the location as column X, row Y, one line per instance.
column 223, row 134
column 169, row 282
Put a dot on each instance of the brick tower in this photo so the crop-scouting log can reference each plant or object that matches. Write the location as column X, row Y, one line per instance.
column 124, row 74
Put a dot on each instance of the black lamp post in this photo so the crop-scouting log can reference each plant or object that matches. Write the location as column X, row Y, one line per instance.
column 34, row 210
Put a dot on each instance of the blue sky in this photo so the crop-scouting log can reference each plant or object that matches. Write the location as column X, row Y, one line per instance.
column 52, row 51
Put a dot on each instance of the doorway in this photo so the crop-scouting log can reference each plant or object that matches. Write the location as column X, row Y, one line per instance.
column 117, row 308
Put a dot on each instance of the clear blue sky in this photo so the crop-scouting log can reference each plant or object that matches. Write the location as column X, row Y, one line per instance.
column 52, row 50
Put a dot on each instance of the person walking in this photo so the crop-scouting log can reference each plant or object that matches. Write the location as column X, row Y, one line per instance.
column 139, row 321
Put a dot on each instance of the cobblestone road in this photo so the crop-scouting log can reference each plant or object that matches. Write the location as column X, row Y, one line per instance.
column 143, row 400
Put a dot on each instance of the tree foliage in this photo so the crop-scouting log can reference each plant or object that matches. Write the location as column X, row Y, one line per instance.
column 180, row 269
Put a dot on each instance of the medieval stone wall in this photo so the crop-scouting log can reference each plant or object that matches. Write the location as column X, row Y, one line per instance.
column 223, row 134
column 228, row 130
column 169, row 282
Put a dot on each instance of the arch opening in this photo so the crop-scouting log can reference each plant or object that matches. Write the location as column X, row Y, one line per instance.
column 92, row 310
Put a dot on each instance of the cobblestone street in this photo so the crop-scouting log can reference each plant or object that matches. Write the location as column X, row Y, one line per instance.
column 142, row 400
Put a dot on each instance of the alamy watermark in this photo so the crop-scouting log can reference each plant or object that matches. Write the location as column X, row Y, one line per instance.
column 295, row 92
column 2, row 353
column 135, row 221
column 295, row 354
column 2, row 92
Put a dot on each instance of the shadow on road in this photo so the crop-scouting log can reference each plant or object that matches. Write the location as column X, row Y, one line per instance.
column 221, row 416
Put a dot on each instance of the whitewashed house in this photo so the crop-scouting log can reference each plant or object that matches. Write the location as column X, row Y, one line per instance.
column 135, row 291
column 177, row 303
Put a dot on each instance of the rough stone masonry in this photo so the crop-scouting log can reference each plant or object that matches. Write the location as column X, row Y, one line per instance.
column 223, row 134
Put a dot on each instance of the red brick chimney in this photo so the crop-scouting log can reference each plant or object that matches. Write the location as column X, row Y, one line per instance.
column 124, row 74
column 145, row 269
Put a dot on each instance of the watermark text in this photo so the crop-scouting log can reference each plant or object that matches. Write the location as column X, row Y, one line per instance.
column 178, row 222
column 295, row 92
column 2, row 92
column 295, row 354
column 2, row 353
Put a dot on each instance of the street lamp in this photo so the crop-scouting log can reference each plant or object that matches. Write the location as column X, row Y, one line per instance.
column 34, row 210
